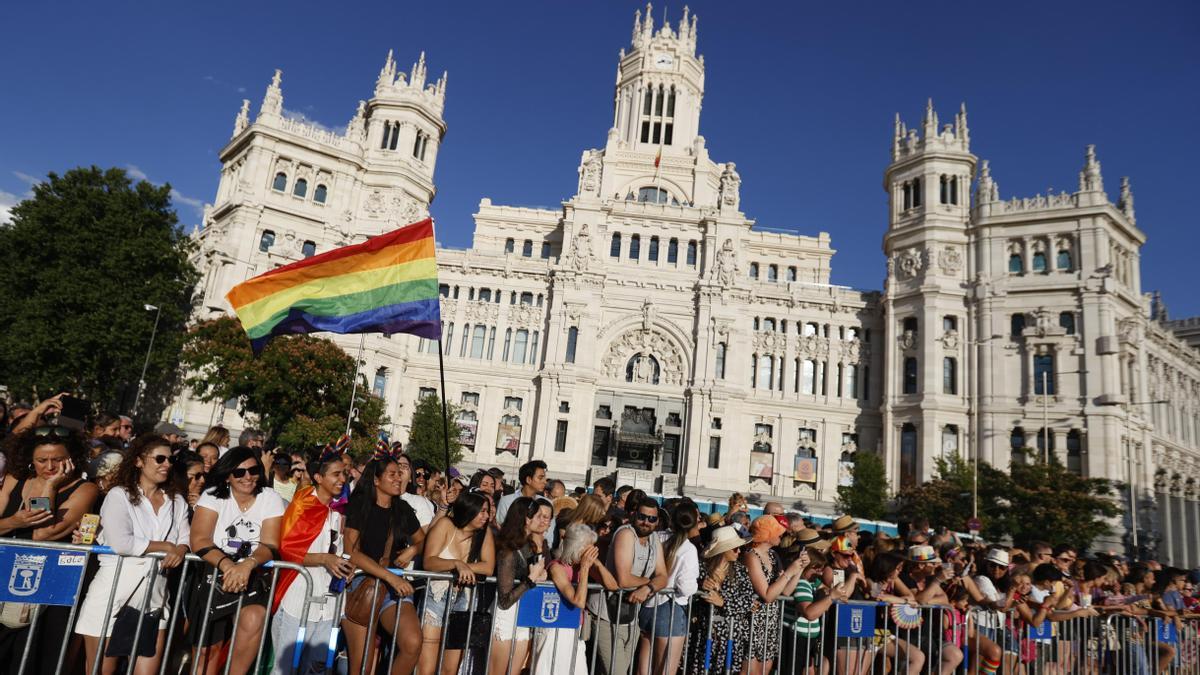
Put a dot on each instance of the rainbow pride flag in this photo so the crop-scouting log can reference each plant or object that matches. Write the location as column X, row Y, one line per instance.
column 387, row 284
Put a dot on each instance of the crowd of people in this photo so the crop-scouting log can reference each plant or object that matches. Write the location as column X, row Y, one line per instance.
column 399, row 557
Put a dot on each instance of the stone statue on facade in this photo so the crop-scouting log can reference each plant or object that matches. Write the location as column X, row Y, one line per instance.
column 589, row 172
column 731, row 184
column 726, row 264
column 582, row 253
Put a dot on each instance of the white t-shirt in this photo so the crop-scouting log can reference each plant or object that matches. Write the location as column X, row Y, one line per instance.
column 990, row 618
column 235, row 525
column 294, row 598
column 422, row 506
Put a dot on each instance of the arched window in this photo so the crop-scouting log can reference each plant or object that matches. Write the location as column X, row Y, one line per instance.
column 907, row 203
column 485, row 295
column 810, row 328
column 908, row 455
column 572, row 340
column 545, row 250
column 614, row 250
column 320, row 194
column 387, row 132
column 772, row 273
column 507, row 344
column 1067, row 321
column 673, row 252
column 266, row 241
column 491, row 343
column 1064, row 261
column 944, row 192
column 1015, row 264
column 1039, row 261
column 954, row 189
column 509, row 245
column 910, row 375
column 769, row 325
column 808, row 376
column 527, row 298
column 949, row 375
column 301, row 187
column 444, row 290
column 635, row 246
column 540, row 299
column 1016, row 440
column 917, row 200
column 527, row 248
column 379, row 386
column 308, row 249
column 720, row 361
column 753, row 270
column 691, row 254
column 1017, row 324
column 653, row 195
column 280, row 183
column 852, row 381
column 791, row 273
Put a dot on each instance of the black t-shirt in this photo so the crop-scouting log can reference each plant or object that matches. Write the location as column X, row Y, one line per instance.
column 374, row 523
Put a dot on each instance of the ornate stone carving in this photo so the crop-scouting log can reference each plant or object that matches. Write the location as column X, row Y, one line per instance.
column 908, row 340
column 726, row 264
column 731, row 184
column 581, row 249
column 643, row 343
column 1127, row 329
column 766, row 342
column 243, row 118
column 481, row 312
column 950, row 339
column 950, row 260
column 589, row 172
column 525, row 316
column 909, row 263
column 375, row 205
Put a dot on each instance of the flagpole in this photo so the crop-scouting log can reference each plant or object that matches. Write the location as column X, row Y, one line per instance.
column 445, row 408
column 362, row 342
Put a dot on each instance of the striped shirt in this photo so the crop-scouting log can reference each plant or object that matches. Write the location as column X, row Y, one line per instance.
column 791, row 611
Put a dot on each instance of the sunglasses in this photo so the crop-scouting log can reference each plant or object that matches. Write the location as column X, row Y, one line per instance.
column 421, row 474
column 44, row 432
column 196, row 477
column 646, row 518
column 241, row 473
column 159, row 459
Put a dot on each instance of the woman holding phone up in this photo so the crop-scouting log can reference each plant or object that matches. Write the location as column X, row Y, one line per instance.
column 44, row 499
column 520, row 565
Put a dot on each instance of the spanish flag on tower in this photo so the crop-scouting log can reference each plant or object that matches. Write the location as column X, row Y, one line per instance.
column 387, row 284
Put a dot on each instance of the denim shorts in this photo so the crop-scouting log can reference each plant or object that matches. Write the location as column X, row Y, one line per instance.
column 666, row 620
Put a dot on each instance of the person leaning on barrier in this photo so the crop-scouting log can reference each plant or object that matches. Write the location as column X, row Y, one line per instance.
column 710, row 630
column 561, row 650
column 636, row 561
column 142, row 513
column 382, row 533
column 756, row 632
column 663, row 617
column 311, row 536
column 235, row 529
column 187, row 472
column 465, row 548
column 520, row 565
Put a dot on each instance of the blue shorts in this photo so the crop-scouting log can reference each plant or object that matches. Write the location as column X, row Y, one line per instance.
column 666, row 620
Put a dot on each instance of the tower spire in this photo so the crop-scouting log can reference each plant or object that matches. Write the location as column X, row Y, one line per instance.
column 417, row 79
column 1126, row 201
column 243, row 118
column 637, row 27
column 387, row 74
column 648, row 24
column 272, row 103
column 960, row 126
column 988, row 191
column 1090, row 179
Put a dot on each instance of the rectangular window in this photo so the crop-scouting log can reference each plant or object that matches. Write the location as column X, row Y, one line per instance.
column 910, row 375
column 449, row 338
column 714, row 452
column 572, row 339
column 670, row 453
column 470, row 398
column 866, row 383
column 653, row 253
column 852, row 381
column 513, row 402
column 425, row 392
column 491, row 343
column 600, row 446
column 520, row 346
column 466, row 335
column 507, row 342
column 841, row 377
column 949, row 323
column 808, row 379
column 1066, row 320
column 949, row 375
column 1043, row 375
column 560, row 437
column 477, row 340
column 691, row 254
column 545, row 250
column 672, row 251
column 635, row 247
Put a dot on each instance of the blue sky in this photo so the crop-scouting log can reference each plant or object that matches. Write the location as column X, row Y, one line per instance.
column 800, row 95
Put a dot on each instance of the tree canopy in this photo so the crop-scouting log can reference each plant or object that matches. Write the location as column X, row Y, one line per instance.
column 299, row 387
column 867, row 497
column 78, row 263
column 426, row 434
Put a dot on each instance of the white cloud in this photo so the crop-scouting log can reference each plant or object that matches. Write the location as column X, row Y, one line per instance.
column 178, row 197
column 7, row 201
column 301, row 117
column 26, row 177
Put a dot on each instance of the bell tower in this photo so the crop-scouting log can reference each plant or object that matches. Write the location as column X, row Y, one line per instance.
column 926, row 297
column 404, row 125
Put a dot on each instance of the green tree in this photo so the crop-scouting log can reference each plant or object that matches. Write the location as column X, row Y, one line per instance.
column 945, row 501
column 299, row 387
column 427, row 431
column 1052, row 503
column 78, row 263
column 867, row 496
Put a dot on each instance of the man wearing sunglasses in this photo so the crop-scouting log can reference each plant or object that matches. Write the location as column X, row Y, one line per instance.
column 635, row 558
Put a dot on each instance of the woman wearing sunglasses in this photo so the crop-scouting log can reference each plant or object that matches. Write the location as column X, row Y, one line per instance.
column 142, row 513
column 187, row 472
column 235, row 529
column 44, row 499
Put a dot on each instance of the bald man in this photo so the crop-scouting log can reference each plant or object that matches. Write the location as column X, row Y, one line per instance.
column 773, row 509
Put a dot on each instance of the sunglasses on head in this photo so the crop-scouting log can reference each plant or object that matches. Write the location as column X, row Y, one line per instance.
column 646, row 517
column 241, row 472
column 44, row 432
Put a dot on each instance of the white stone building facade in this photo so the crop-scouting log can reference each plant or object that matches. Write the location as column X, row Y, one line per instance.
column 648, row 327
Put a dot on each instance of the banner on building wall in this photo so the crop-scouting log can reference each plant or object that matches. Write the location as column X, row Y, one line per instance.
column 845, row 473
column 466, row 434
column 805, row 469
column 762, row 465
column 508, row 438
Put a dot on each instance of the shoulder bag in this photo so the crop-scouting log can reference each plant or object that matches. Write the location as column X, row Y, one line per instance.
column 619, row 610
column 363, row 601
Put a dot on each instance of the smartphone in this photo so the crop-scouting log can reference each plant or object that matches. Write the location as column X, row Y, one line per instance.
column 73, row 413
column 839, row 577
column 88, row 526
column 39, row 503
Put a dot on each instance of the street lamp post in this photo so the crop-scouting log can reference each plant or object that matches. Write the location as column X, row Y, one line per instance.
column 137, row 399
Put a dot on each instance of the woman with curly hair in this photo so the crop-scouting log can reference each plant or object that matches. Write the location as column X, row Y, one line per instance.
column 142, row 513
column 44, row 499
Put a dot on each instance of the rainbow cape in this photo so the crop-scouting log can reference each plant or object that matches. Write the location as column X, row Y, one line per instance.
column 387, row 284
column 302, row 523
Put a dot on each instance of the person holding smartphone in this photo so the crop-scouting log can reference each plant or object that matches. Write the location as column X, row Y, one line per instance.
column 520, row 565
column 44, row 499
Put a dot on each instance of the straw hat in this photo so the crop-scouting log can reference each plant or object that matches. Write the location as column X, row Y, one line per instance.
column 844, row 524
column 923, row 554
column 715, row 519
column 998, row 556
column 724, row 539
column 810, row 538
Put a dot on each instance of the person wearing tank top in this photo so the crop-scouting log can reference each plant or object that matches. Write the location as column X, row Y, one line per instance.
column 635, row 559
